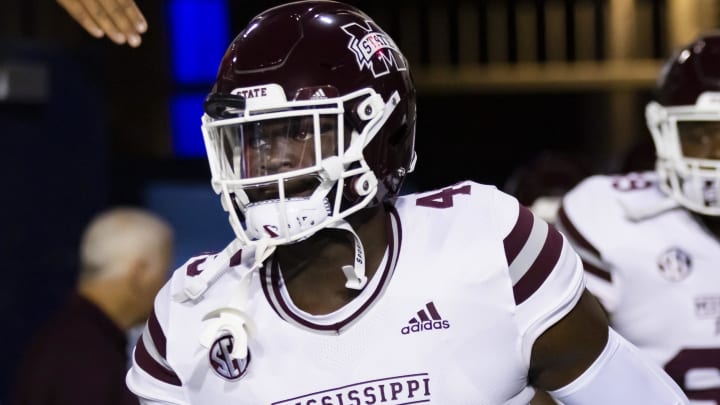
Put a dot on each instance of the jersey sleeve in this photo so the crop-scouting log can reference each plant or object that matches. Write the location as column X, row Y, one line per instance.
column 151, row 377
column 546, row 273
column 576, row 217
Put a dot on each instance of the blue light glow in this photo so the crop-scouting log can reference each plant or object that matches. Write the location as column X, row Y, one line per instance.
column 185, row 111
column 199, row 35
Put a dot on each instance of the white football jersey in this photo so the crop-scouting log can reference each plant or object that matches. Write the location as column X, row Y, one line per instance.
column 469, row 281
column 658, row 277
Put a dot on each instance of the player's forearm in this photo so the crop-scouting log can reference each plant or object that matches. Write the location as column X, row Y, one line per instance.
column 621, row 375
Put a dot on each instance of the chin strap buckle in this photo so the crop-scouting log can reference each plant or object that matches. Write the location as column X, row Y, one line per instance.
column 356, row 278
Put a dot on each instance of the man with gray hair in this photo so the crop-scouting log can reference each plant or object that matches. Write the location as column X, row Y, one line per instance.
column 79, row 356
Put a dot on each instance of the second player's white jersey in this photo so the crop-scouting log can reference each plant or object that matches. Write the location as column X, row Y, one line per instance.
column 469, row 281
column 659, row 277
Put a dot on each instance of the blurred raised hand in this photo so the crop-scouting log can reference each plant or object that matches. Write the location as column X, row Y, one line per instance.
column 121, row 20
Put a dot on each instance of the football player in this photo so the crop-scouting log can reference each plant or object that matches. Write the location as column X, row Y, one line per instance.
column 338, row 291
column 649, row 240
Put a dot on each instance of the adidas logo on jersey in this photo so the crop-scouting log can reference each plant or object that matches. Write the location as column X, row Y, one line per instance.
column 424, row 322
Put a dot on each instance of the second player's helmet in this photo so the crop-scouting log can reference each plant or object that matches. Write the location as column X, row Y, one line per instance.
column 684, row 120
column 311, row 119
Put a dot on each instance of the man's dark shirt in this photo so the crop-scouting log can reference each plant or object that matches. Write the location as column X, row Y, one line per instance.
column 78, row 358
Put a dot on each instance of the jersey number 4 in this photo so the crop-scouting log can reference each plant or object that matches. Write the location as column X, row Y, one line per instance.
column 443, row 198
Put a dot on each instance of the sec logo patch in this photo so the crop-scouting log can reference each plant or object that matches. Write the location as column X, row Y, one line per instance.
column 223, row 364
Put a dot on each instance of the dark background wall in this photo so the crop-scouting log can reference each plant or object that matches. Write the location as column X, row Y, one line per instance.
column 100, row 135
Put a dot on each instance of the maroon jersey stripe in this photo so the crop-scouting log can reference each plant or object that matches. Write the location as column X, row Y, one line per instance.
column 516, row 239
column 157, row 335
column 573, row 233
column 266, row 275
column 152, row 367
column 236, row 259
column 541, row 268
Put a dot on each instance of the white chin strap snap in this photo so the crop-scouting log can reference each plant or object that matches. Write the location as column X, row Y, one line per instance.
column 365, row 183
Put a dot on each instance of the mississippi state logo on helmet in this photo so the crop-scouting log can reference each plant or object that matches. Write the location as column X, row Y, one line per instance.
column 222, row 364
column 374, row 50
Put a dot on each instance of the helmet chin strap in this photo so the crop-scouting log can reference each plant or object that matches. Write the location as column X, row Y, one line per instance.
column 233, row 319
column 355, row 273
column 194, row 287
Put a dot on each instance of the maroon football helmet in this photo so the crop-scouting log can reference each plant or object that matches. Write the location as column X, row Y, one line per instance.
column 684, row 121
column 691, row 71
column 311, row 119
